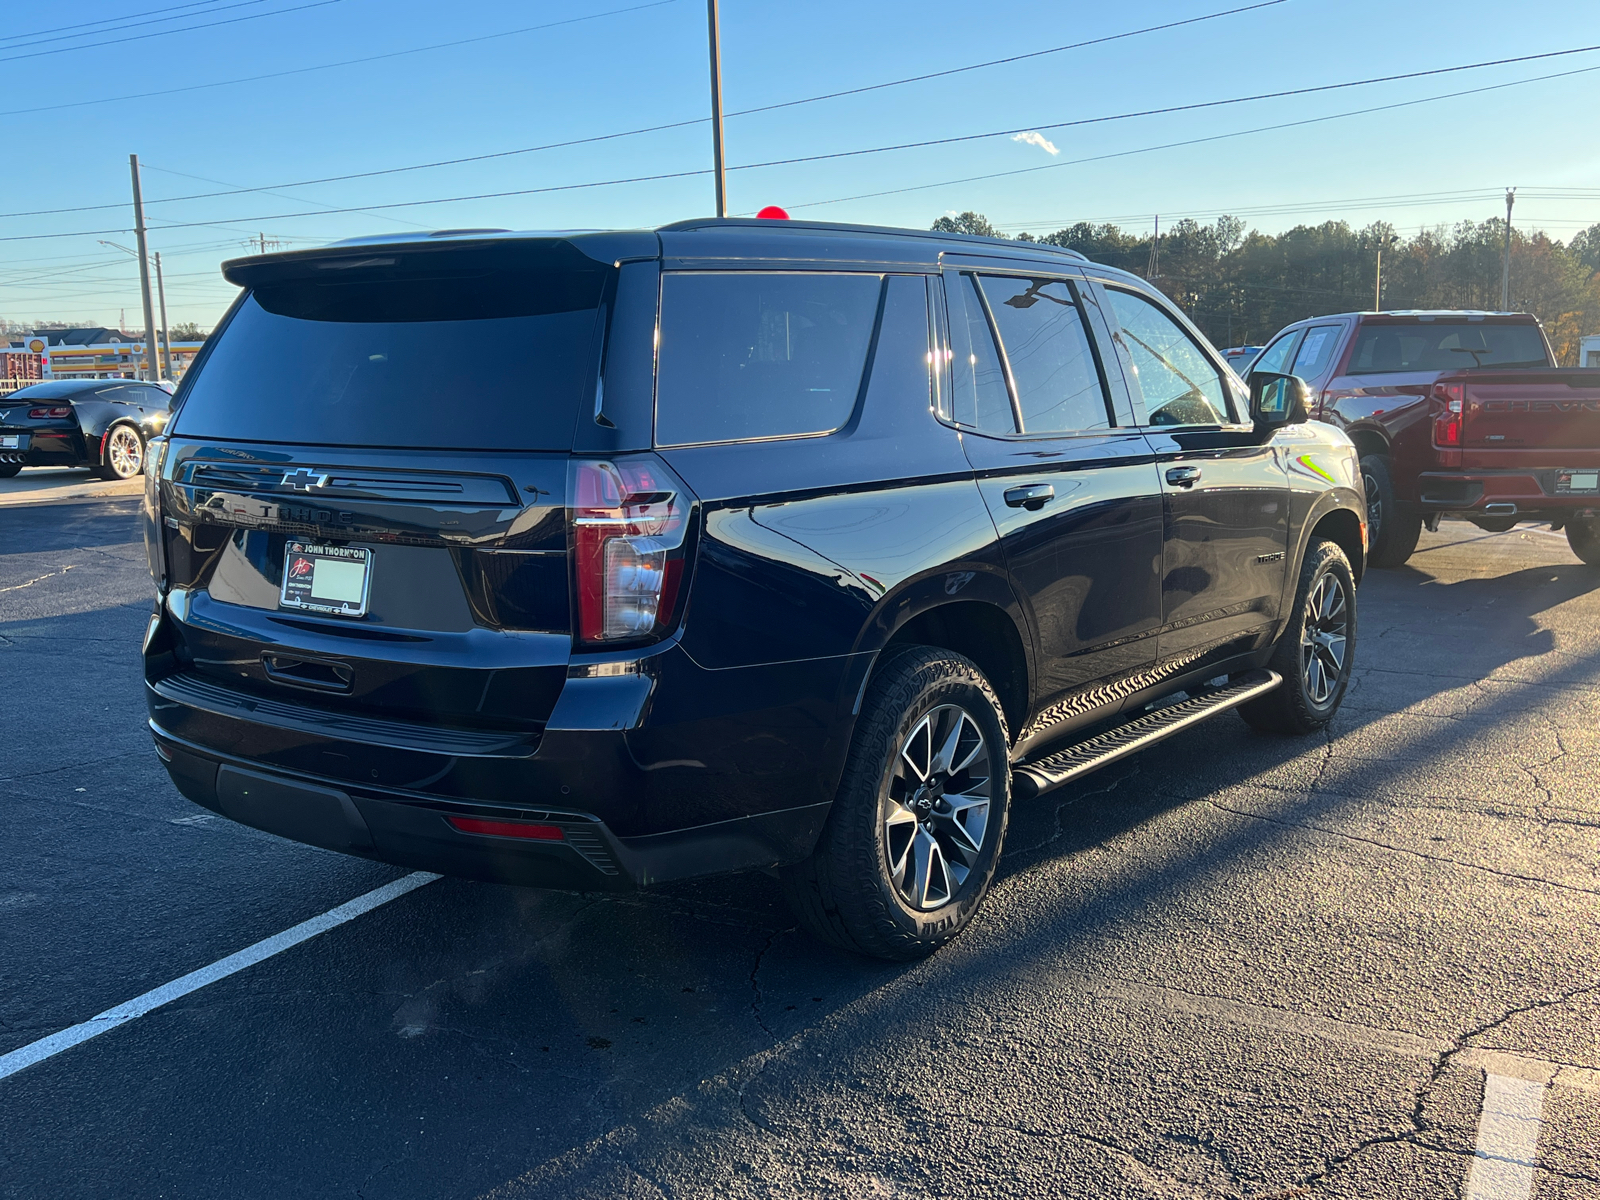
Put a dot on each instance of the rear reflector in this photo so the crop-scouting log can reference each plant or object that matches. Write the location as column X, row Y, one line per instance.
column 515, row 829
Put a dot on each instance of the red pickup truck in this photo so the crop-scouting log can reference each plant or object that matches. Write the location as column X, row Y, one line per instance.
column 1460, row 413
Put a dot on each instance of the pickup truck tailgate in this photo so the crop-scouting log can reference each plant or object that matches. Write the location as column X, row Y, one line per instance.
column 1551, row 409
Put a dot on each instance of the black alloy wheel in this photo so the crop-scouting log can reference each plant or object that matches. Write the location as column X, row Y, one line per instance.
column 1392, row 528
column 915, row 832
column 1315, row 652
column 1583, row 535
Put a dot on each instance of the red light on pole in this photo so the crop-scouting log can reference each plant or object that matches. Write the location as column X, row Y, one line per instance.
column 772, row 213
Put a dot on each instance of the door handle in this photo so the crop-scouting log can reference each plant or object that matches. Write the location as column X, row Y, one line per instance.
column 1032, row 497
column 1183, row 476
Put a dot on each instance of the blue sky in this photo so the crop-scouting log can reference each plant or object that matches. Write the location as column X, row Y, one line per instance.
column 617, row 65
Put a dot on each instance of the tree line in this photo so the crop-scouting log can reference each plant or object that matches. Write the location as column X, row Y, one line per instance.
column 1241, row 287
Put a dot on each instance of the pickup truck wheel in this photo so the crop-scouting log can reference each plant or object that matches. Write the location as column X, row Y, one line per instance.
column 1583, row 535
column 1315, row 652
column 911, row 843
column 1392, row 529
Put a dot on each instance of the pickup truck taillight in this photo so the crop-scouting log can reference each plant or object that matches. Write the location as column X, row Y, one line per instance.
column 1450, row 399
column 630, row 519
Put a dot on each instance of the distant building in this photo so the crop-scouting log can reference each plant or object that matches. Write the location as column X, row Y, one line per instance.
column 96, row 353
column 1589, row 351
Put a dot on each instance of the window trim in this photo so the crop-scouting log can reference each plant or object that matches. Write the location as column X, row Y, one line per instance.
column 1075, row 284
column 861, row 386
column 1224, row 372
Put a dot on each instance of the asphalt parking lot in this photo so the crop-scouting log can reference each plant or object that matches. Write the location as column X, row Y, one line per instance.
column 1360, row 965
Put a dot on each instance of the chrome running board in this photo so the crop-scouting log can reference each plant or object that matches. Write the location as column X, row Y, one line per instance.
column 1030, row 779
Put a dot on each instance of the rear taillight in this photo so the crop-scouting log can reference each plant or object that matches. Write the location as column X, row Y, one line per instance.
column 630, row 518
column 49, row 414
column 1450, row 399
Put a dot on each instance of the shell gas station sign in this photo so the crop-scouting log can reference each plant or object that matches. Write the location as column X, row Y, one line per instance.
column 38, row 345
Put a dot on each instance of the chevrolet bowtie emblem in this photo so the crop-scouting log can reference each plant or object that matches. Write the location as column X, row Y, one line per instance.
column 302, row 480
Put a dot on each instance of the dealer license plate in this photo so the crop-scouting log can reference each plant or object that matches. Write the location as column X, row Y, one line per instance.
column 11, row 441
column 326, row 579
column 1577, row 481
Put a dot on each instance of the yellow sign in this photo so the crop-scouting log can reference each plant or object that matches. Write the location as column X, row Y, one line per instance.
column 37, row 345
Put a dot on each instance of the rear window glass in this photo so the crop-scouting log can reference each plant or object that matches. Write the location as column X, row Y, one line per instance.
column 1445, row 346
column 753, row 354
column 478, row 359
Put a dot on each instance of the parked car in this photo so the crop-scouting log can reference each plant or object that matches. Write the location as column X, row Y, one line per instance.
column 102, row 424
column 1455, row 414
column 731, row 545
column 1240, row 357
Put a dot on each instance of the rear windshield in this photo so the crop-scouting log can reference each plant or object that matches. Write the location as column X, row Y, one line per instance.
column 1445, row 346
column 475, row 358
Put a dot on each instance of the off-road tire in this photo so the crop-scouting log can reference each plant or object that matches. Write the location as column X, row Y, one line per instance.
column 1291, row 708
column 1392, row 528
column 844, row 892
column 1583, row 535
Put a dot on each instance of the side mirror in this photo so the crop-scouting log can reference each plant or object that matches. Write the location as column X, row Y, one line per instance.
column 1278, row 400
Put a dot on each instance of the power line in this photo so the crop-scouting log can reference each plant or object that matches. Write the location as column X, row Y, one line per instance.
column 451, row 162
column 1328, row 87
column 818, row 203
column 139, row 37
column 921, row 187
column 81, row 26
column 280, row 195
column 80, row 34
column 349, row 62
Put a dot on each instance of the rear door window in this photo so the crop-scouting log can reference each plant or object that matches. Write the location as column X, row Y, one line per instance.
column 1181, row 386
column 487, row 357
column 752, row 354
column 1316, row 351
column 1052, row 363
column 978, row 381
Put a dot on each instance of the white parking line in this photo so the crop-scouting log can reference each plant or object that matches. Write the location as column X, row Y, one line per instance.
column 46, row 1047
column 1508, row 1139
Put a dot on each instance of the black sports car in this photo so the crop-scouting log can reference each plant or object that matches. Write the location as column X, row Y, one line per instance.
column 98, row 423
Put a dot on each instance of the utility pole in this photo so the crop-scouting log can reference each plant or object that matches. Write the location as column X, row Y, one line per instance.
column 263, row 238
column 1153, row 271
column 1505, row 272
column 144, row 271
column 716, row 108
column 166, row 341
column 1377, row 282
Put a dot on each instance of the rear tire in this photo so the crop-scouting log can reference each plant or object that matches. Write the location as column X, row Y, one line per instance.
column 1583, row 535
column 903, row 864
column 1392, row 528
column 1315, row 653
column 124, row 454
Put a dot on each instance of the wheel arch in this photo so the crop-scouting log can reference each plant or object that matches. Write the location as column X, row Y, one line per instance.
column 986, row 633
column 1343, row 528
column 1368, row 440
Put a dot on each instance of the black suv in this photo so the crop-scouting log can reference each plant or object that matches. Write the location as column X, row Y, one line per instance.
column 600, row 560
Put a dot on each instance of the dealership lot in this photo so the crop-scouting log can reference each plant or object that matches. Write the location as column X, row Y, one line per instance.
column 1273, row 968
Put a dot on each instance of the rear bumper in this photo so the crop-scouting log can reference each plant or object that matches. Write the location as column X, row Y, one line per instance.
column 1532, row 491
column 666, row 771
column 41, row 448
column 416, row 831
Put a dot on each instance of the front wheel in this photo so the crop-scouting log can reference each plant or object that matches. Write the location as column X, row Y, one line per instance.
column 124, row 455
column 911, row 843
column 1315, row 653
column 1392, row 529
column 1583, row 535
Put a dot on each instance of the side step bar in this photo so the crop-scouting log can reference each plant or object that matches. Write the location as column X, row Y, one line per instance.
column 1030, row 779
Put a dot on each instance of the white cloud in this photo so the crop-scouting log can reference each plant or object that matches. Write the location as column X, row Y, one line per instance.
column 1037, row 139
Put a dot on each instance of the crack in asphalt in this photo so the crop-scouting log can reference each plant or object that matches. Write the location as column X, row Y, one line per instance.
column 17, row 587
column 755, row 983
column 1439, row 858
column 1420, row 1125
column 1061, row 806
